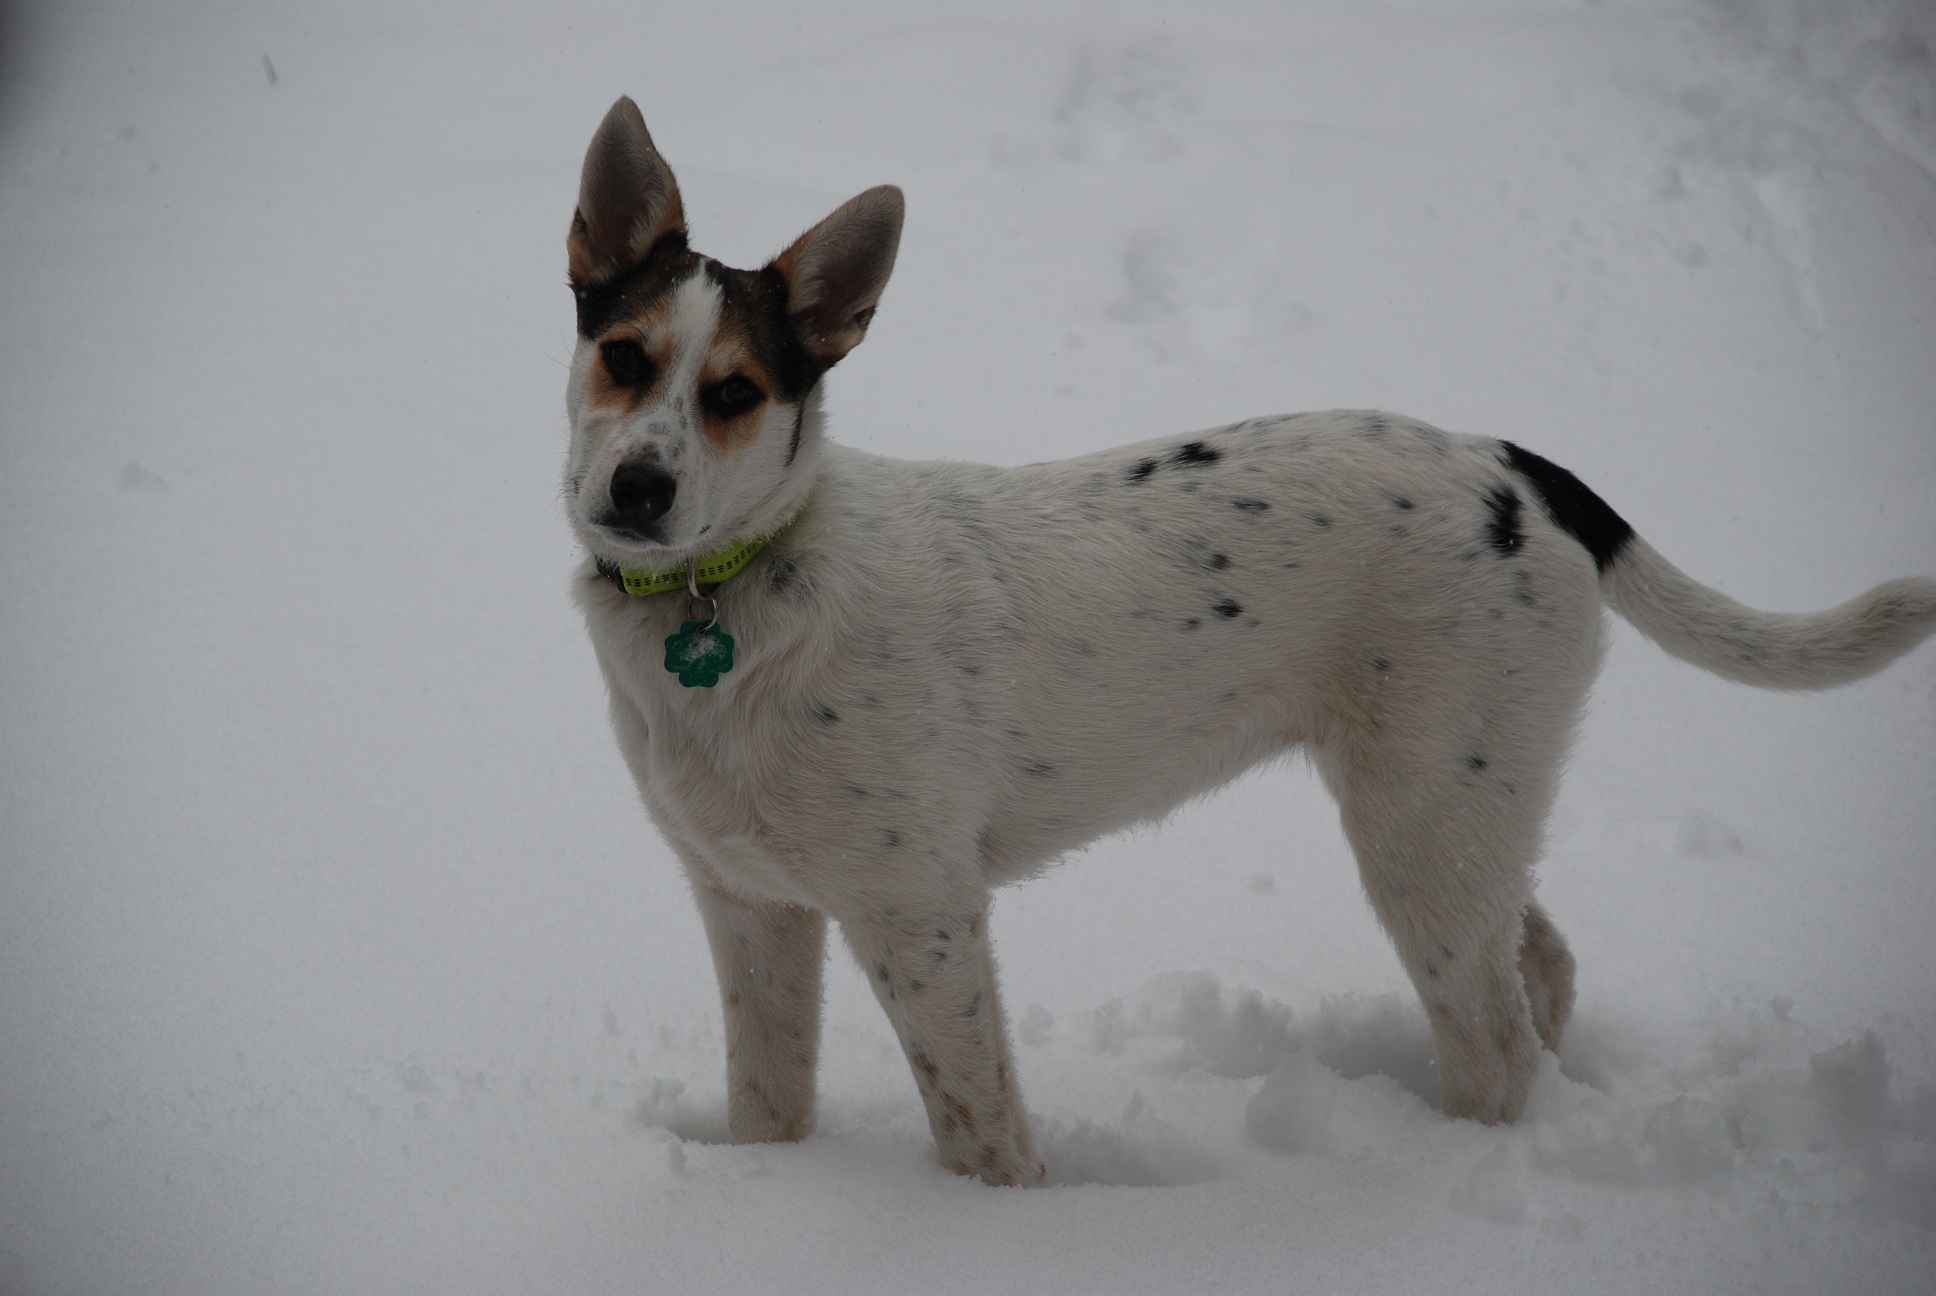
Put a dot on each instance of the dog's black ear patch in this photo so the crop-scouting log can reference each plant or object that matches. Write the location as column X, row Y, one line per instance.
column 631, row 291
column 1575, row 509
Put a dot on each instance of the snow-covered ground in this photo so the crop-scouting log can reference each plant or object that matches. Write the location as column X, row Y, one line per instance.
column 335, row 953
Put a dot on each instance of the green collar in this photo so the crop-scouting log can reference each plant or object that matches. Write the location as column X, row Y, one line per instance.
column 710, row 569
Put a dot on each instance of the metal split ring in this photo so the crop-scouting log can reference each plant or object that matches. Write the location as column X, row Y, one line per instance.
column 693, row 596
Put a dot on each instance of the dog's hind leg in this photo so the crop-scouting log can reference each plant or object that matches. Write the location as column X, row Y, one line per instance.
column 1546, row 966
column 933, row 970
column 1446, row 856
column 768, row 957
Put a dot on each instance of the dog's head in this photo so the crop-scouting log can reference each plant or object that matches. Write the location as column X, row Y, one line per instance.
column 693, row 390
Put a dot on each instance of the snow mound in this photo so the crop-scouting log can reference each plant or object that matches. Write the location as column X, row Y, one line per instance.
column 1752, row 1098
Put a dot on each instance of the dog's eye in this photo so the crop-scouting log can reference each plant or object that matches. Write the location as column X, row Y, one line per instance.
column 626, row 362
column 733, row 397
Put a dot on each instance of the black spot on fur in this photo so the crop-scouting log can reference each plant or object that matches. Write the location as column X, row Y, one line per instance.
column 1574, row 509
column 1475, row 762
column 1217, row 561
column 1380, row 664
column 1402, row 504
column 890, row 838
column 1142, row 470
column 1250, row 505
column 1320, row 521
column 1037, row 768
column 799, row 422
column 1502, row 525
column 824, row 714
column 782, row 577
column 1228, row 609
column 1195, row 453
column 1193, row 623
column 855, row 789
column 880, row 970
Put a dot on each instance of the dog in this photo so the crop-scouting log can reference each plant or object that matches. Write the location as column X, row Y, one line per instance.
column 872, row 690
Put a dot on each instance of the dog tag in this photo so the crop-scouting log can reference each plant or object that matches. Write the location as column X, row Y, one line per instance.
column 699, row 656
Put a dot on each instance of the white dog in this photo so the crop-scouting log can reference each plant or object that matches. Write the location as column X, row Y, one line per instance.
column 873, row 690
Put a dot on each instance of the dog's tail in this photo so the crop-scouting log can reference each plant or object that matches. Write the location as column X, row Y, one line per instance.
column 1777, row 650
column 1706, row 628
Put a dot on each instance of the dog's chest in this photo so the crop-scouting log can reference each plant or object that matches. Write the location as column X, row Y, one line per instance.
column 722, row 769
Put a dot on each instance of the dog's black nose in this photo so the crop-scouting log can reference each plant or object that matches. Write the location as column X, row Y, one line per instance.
column 641, row 495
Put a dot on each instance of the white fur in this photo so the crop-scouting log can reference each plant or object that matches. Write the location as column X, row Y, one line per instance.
column 948, row 675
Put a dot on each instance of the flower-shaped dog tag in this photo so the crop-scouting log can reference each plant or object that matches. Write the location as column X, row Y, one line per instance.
column 699, row 655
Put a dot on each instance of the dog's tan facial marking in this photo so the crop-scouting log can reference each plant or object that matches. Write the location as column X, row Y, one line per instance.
column 733, row 389
column 627, row 370
column 656, row 354
column 625, row 373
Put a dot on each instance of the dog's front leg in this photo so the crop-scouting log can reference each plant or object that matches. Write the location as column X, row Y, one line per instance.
column 934, row 972
column 768, row 957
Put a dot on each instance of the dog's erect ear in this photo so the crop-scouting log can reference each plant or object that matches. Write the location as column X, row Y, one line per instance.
column 836, row 271
column 627, row 200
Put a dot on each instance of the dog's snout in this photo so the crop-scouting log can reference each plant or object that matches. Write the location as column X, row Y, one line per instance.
column 641, row 494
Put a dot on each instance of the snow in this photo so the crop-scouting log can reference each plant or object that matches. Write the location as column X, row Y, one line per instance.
column 335, row 953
